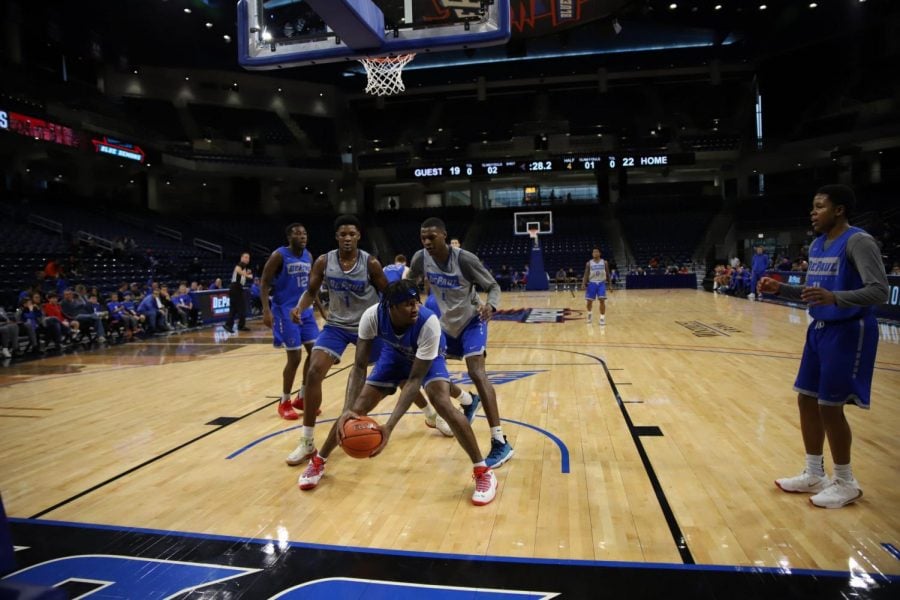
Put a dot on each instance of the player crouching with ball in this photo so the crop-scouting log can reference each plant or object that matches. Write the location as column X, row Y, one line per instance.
column 413, row 357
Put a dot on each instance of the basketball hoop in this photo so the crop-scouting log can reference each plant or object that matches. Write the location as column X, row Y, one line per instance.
column 385, row 73
column 533, row 234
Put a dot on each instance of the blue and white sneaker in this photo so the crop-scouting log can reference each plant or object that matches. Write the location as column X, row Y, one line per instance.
column 471, row 409
column 499, row 454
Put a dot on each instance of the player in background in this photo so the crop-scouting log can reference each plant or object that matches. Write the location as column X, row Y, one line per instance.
column 452, row 274
column 411, row 357
column 596, row 279
column 396, row 271
column 844, row 282
column 286, row 275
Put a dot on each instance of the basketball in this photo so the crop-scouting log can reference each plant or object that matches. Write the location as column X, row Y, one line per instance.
column 361, row 436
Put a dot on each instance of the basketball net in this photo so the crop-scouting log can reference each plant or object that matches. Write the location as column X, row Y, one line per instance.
column 385, row 73
column 533, row 234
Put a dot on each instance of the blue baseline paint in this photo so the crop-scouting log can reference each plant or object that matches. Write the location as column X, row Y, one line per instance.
column 563, row 450
column 892, row 549
column 469, row 557
column 345, row 587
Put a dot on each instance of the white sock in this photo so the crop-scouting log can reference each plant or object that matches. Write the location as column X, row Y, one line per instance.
column 429, row 411
column 815, row 464
column 285, row 397
column 308, row 432
column 479, row 464
column 843, row 472
column 497, row 434
column 464, row 398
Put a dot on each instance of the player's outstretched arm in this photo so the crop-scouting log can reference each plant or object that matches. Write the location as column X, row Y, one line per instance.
column 316, row 275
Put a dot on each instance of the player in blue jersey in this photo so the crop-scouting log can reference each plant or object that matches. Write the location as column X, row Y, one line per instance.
column 286, row 276
column 596, row 280
column 396, row 271
column 844, row 282
column 355, row 279
column 412, row 356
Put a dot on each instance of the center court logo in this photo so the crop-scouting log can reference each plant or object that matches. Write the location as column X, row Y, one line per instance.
column 537, row 315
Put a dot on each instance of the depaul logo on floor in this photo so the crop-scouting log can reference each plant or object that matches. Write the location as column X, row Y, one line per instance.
column 537, row 315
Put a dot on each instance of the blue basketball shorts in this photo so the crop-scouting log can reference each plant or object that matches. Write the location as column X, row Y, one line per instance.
column 471, row 342
column 595, row 290
column 838, row 361
column 289, row 334
column 334, row 340
column 393, row 367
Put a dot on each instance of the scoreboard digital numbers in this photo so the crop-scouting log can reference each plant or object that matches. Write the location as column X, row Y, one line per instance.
column 559, row 164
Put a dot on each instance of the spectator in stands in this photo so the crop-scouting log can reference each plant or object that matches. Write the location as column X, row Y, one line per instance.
column 613, row 277
column 175, row 318
column 119, row 317
column 130, row 307
column 55, row 320
column 216, row 285
column 51, row 269
column 895, row 270
column 9, row 335
column 154, row 313
column 184, row 302
column 561, row 279
column 255, row 302
column 76, row 308
column 30, row 319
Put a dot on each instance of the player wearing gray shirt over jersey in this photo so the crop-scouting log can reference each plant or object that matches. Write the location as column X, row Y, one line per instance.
column 844, row 283
column 452, row 274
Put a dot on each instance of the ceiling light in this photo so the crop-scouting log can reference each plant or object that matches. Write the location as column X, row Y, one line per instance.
column 763, row 7
column 673, row 6
column 187, row 11
column 226, row 37
column 187, row 77
column 208, row 25
column 813, row 4
column 279, row 89
column 718, row 7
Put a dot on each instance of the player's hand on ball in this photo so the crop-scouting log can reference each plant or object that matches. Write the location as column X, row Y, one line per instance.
column 767, row 285
column 385, row 435
column 348, row 415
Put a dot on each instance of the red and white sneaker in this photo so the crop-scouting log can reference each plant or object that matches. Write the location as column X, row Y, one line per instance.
column 485, row 486
column 298, row 404
column 314, row 471
column 286, row 412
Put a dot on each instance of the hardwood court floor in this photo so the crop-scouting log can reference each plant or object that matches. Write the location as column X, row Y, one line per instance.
column 122, row 436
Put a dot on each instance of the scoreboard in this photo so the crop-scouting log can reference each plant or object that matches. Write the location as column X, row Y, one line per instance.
column 557, row 164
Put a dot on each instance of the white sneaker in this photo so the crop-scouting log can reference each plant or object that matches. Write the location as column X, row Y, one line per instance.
column 751, row 296
column 603, row 319
column 443, row 426
column 805, row 482
column 589, row 318
column 302, row 453
column 5, row 353
column 485, row 486
column 839, row 493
